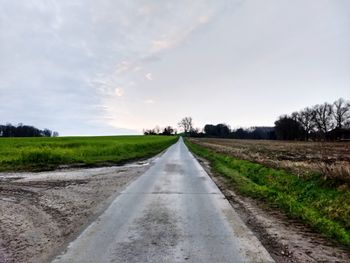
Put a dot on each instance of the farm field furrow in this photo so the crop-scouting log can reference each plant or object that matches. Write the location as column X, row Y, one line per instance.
column 332, row 159
column 253, row 169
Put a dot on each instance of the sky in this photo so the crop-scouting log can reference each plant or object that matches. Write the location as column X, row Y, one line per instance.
column 86, row 67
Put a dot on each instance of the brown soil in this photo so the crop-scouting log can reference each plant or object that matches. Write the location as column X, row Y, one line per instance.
column 332, row 159
column 41, row 212
column 287, row 240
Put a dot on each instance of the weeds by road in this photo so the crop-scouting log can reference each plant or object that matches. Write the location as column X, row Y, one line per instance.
column 19, row 154
column 322, row 207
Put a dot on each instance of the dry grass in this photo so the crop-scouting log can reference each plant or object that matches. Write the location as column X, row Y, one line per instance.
column 331, row 159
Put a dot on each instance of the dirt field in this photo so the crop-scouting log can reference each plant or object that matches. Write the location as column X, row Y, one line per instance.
column 302, row 158
column 41, row 212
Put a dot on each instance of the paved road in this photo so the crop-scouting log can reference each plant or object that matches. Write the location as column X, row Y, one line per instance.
column 172, row 213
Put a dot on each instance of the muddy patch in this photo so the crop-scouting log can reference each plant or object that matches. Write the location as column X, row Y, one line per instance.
column 41, row 212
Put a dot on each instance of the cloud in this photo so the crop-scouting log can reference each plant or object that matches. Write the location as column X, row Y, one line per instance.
column 74, row 53
column 149, row 101
column 159, row 45
column 204, row 19
column 123, row 66
column 149, row 76
column 119, row 92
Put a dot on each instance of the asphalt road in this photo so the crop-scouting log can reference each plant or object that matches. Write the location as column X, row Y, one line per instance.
column 172, row 213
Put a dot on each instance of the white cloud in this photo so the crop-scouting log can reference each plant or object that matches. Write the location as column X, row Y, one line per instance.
column 76, row 53
column 204, row 19
column 123, row 67
column 137, row 68
column 149, row 101
column 159, row 45
column 149, row 76
column 119, row 92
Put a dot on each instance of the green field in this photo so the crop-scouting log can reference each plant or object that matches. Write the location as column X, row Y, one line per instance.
column 35, row 154
column 324, row 208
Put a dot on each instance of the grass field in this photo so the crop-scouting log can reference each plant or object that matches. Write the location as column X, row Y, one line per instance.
column 32, row 154
column 320, row 205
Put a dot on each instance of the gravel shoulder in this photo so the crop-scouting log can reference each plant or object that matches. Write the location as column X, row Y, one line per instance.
column 41, row 212
column 287, row 240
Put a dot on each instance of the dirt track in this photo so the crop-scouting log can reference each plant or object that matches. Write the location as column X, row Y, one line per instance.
column 41, row 212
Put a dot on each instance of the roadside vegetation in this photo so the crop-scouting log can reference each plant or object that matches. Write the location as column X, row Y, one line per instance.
column 34, row 154
column 331, row 159
column 311, row 198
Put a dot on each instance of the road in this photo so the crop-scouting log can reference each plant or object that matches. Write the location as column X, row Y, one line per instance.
column 172, row 213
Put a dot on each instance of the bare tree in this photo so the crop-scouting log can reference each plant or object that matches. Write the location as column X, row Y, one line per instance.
column 168, row 130
column 341, row 112
column 323, row 117
column 157, row 129
column 186, row 124
column 295, row 116
column 306, row 119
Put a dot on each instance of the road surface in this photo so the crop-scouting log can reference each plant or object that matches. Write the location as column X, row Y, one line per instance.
column 172, row 213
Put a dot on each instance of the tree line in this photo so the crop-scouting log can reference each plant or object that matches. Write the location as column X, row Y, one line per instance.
column 317, row 122
column 327, row 121
column 220, row 130
column 167, row 131
column 22, row 130
column 223, row 130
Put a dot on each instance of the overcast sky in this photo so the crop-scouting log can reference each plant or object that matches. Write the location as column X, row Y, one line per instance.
column 85, row 67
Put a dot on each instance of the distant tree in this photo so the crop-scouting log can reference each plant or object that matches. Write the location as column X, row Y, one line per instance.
column 262, row 133
column 287, row 128
column 240, row 134
column 186, row 124
column 168, row 131
column 254, row 133
column 295, row 115
column 223, row 130
column 196, row 132
column 220, row 130
column 341, row 112
column 323, row 118
column 47, row 133
column 306, row 119
column 9, row 130
column 157, row 129
column 55, row 134
column 22, row 130
column 209, row 130
column 149, row 132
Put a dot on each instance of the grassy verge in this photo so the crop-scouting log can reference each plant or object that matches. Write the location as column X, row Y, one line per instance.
column 18, row 154
column 325, row 209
